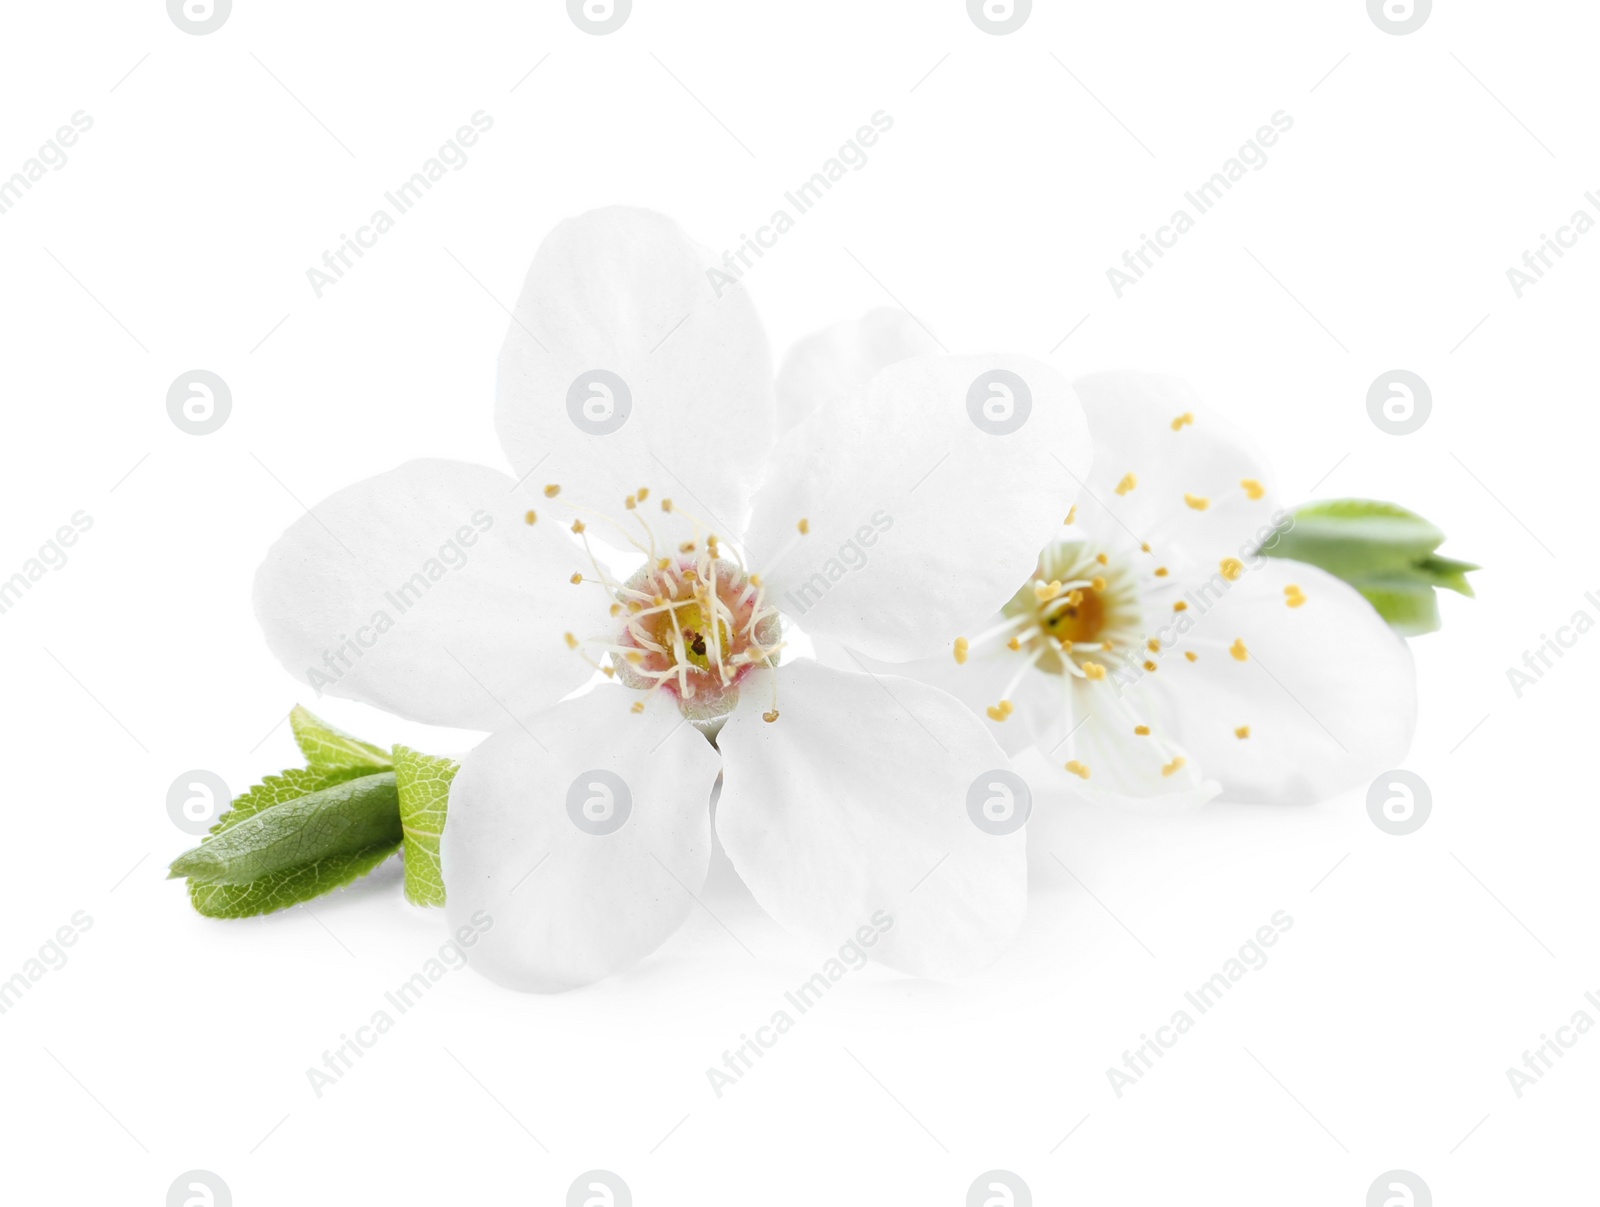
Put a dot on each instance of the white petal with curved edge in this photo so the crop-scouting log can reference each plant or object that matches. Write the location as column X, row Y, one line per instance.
column 840, row 360
column 424, row 592
column 921, row 523
column 1131, row 416
column 1150, row 774
column 567, row 906
column 1327, row 689
column 852, row 808
column 625, row 292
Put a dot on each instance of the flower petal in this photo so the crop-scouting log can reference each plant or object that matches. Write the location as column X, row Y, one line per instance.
column 567, row 905
column 424, row 592
column 1096, row 740
column 919, row 521
column 838, row 361
column 1326, row 691
column 1169, row 473
column 852, row 808
column 624, row 292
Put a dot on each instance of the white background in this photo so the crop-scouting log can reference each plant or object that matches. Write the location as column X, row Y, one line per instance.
column 178, row 236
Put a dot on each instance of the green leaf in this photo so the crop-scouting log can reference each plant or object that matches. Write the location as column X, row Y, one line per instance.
column 339, row 820
column 1382, row 550
column 330, row 749
column 1357, row 538
column 424, row 785
column 279, row 890
column 1448, row 573
column 277, row 789
column 1409, row 606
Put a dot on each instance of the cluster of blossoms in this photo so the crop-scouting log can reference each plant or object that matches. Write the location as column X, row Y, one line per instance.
column 622, row 625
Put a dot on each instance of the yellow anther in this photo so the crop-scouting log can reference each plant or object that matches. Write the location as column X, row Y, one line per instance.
column 1294, row 596
column 577, row 526
column 1066, row 645
column 1162, row 571
column 1108, row 645
column 1150, row 666
column 531, row 517
column 1000, row 711
column 1238, row 650
column 576, row 578
column 610, row 672
column 1094, row 670
column 1142, row 730
column 666, row 504
column 638, row 706
column 630, row 502
column 1098, row 582
column 1253, row 488
column 755, row 581
column 616, row 609
column 633, row 658
column 551, row 491
column 1191, row 655
column 963, row 646
column 1172, row 768
column 686, row 547
column 1078, row 769
column 1145, row 546
column 1183, row 421
column 1129, row 481
column 572, row 642
column 804, row 526
column 1014, row 644
column 1181, row 606
column 1103, row 558
column 1044, row 592
column 770, row 716
column 643, row 493
column 1198, row 502
column 1153, row 645
column 1232, row 569
column 1242, row 732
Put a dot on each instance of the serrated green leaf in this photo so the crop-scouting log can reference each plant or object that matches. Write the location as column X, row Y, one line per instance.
column 424, row 785
column 279, row 890
column 330, row 749
column 285, row 786
column 349, row 816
